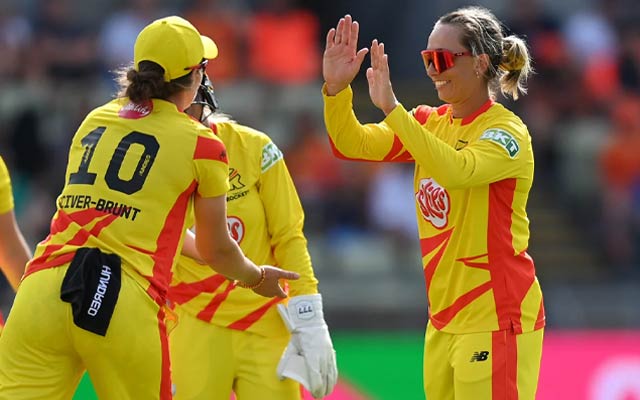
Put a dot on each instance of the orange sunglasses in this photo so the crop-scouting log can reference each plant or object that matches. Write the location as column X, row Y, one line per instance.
column 441, row 59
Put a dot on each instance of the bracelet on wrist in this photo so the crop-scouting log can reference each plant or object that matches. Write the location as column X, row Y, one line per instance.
column 263, row 276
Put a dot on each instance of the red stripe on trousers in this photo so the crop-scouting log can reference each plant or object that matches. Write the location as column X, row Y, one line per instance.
column 504, row 385
column 165, row 378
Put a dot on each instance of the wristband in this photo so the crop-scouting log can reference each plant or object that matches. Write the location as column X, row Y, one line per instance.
column 263, row 276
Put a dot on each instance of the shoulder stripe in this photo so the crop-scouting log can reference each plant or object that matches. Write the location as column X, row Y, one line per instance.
column 422, row 113
column 210, row 149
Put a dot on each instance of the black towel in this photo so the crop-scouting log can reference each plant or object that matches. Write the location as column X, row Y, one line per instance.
column 92, row 285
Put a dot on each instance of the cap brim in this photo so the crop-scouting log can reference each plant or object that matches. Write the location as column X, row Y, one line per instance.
column 210, row 48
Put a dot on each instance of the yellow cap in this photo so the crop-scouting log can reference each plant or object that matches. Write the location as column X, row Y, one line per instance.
column 174, row 44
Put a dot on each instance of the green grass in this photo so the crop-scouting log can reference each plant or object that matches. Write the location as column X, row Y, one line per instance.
column 382, row 365
column 85, row 390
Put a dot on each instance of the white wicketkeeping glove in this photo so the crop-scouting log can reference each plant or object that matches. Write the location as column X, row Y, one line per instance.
column 309, row 357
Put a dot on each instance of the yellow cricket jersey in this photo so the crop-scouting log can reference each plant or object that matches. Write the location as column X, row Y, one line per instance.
column 132, row 172
column 266, row 218
column 6, row 196
column 472, row 179
column 6, row 202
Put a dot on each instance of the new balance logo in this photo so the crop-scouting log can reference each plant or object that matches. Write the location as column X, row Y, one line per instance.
column 480, row 356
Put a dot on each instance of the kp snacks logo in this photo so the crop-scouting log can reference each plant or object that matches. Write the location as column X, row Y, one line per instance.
column 236, row 228
column 434, row 202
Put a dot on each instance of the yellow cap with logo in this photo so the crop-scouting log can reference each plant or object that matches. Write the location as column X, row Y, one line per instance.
column 175, row 45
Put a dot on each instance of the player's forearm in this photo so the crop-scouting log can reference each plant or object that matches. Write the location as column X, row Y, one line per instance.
column 226, row 258
column 13, row 267
column 351, row 139
column 14, row 251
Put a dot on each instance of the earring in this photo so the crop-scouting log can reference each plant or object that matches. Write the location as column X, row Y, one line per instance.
column 477, row 74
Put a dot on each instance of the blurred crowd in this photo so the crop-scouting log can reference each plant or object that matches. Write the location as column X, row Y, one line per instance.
column 57, row 59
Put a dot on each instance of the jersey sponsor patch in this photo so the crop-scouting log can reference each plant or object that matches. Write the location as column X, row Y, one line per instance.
column 504, row 139
column 433, row 202
column 136, row 110
column 236, row 228
column 271, row 154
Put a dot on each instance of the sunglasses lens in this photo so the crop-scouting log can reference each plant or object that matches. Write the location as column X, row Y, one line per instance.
column 441, row 59
column 427, row 57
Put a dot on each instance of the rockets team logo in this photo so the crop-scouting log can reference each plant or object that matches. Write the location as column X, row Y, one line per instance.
column 234, row 179
column 434, row 203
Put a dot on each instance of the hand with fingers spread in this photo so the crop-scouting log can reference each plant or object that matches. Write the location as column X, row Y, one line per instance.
column 380, row 89
column 341, row 60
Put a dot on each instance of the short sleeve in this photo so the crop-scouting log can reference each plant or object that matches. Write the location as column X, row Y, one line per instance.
column 211, row 166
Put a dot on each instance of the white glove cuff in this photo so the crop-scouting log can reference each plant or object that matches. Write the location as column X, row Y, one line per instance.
column 304, row 311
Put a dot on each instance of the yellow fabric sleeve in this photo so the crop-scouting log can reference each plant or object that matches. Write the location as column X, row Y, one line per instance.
column 6, row 196
column 285, row 221
column 480, row 163
column 371, row 142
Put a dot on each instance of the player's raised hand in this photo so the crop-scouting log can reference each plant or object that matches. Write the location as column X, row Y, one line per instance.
column 341, row 60
column 380, row 89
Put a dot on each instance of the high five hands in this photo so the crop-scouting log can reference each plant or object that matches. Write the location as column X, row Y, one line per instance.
column 341, row 63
